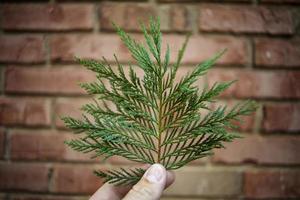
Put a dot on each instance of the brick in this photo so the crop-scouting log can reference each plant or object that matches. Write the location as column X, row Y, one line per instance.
column 179, row 16
column 272, row 184
column 22, row 49
column 46, row 80
column 245, row 19
column 74, row 179
column 3, row 196
column 258, row 84
column 201, row 48
column 281, row 1
column 262, row 150
column 24, row 177
column 43, row 145
column 281, row 117
column 65, row 47
column 247, row 123
column 125, row 15
column 2, row 143
column 268, row 53
column 51, row 17
column 25, row 111
column 200, row 182
column 68, row 107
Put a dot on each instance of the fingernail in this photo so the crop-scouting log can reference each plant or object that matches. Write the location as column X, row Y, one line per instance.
column 154, row 173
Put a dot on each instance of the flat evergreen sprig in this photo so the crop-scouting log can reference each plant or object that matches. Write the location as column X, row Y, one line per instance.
column 154, row 119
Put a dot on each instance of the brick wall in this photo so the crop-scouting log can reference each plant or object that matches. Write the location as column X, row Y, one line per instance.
column 38, row 42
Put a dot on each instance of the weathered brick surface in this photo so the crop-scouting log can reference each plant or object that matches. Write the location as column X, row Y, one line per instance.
column 75, row 179
column 247, row 122
column 3, row 196
column 202, row 48
column 22, row 49
column 195, row 181
column 39, row 84
column 58, row 80
column 245, row 19
column 258, row 149
column 125, row 15
column 281, row 117
column 268, row 54
column 272, row 184
column 258, row 84
column 68, row 107
column 179, row 18
column 2, row 143
column 24, row 111
column 43, row 145
column 47, row 16
column 64, row 48
column 281, row 1
column 24, row 177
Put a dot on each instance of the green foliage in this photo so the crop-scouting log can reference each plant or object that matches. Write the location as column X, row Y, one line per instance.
column 154, row 119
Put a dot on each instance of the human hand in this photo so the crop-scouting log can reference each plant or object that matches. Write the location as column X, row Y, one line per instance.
column 150, row 187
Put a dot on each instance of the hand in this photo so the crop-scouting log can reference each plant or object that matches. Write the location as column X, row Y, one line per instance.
column 150, row 187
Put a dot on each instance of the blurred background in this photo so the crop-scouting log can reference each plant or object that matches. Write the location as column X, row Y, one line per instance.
column 38, row 42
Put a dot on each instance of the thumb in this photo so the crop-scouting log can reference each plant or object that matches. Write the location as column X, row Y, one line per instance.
column 151, row 186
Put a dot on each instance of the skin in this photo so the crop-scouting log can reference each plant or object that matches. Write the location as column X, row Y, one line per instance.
column 150, row 187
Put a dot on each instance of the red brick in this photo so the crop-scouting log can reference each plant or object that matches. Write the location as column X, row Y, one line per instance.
column 281, row 1
column 25, row 177
column 281, row 117
column 195, row 181
column 22, row 49
column 272, row 184
column 75, row 179
column 278, row 53
column 258, row 84
column 245, row 19
column 68, row 107
column 2, row 143
column 3, row 196
column 24, row 111
column 65, row 47
column 125, row 15
column 179, row 17
column 43, row 145
column 47, row 16
column 46, row 80
column 247, row 123
column 262, row 150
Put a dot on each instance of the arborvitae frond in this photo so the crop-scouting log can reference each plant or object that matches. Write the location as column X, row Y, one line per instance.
column 153, row 119
column 122, row 176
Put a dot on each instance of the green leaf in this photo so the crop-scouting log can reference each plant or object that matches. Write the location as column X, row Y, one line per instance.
column 151, row 118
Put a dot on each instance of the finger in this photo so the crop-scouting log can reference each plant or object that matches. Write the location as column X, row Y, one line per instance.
column 110, row 192
column 170, row 178
column 150, row 186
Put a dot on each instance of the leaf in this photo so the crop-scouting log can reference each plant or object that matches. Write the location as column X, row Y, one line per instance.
column 152, row 119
